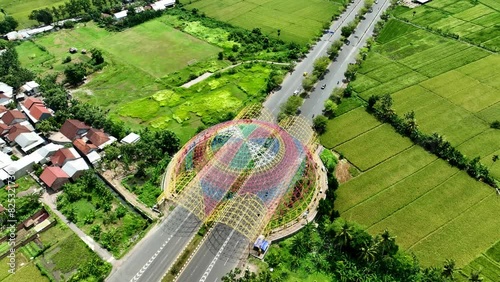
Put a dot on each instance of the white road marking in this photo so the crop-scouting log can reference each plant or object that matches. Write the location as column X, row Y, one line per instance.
column 145, row 267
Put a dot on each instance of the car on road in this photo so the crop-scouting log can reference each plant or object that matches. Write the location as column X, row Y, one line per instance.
column 347, row 42
column 296, row 92
column 305, row 73
column 323, row 86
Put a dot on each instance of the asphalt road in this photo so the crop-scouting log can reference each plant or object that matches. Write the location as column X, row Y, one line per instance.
column 293, row 81
column 218, row 254
column 150, row 258
column 313, row 105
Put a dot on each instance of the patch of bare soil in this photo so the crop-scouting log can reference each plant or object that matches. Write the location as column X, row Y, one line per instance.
column 342, row 171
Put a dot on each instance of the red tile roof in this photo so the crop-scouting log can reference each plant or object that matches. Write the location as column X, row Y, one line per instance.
column 3, row 108
column 51, row 174
column 61, row 156
column 37, row 111
column 83, row 147
column 28, row 103
column 15, row 130
column 11, row 116
column 3, row 128
column 97, row 136
column 72, row 128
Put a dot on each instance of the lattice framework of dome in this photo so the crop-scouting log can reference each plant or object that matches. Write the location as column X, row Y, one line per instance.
column 239, row 172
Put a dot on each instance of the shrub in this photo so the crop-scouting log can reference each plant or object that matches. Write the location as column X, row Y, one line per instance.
column 68, row 24
column 495, row 124
column 319, row 124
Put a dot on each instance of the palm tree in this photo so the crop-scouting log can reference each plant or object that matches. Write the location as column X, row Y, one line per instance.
column 368, row 252
column 387, row 243
column 449, row 268
column 475, row 276
column 344, row 236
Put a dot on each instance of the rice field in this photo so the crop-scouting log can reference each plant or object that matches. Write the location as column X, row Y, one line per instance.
column 435, row 211
column 471, row 21
column 297, row 22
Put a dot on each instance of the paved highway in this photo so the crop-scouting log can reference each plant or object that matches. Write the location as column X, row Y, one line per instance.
column 313, row 106
column 150, row 258
column 293, row 81
column 219, row 253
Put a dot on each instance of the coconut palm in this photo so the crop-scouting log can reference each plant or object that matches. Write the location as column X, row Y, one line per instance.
column 449, row 268
column 368, row 252
column 387, row 243
column 344, row 236
column 475, row 276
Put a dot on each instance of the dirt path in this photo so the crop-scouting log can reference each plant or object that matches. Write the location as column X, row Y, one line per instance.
column 129, row 196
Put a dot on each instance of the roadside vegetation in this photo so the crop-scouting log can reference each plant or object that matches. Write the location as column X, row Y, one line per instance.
column 91, row 206
column 338, row 250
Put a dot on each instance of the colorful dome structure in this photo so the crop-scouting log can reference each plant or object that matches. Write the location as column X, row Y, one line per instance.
column 242, row 173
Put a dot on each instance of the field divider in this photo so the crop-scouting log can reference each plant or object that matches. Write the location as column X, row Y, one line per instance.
column 391, row 185
column 390, row 157
column 417, row 198
column 492, row 194
column 441, row 35
column 356, row 136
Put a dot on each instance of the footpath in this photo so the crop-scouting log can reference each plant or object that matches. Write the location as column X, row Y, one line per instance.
column 50, row 201
column 114, row 180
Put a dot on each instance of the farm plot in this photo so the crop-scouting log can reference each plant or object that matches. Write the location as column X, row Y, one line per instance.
column 347, row 127
column 365, row 150
column 297, row 22
column 489, row 269
column 472, row 21
column 377, row 179
column 453, row 88
column 395, row 197
column 420, row 219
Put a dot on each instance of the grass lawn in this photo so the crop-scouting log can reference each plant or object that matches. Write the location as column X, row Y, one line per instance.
column 297, row 22
column 138, row 82
column 21, row 9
